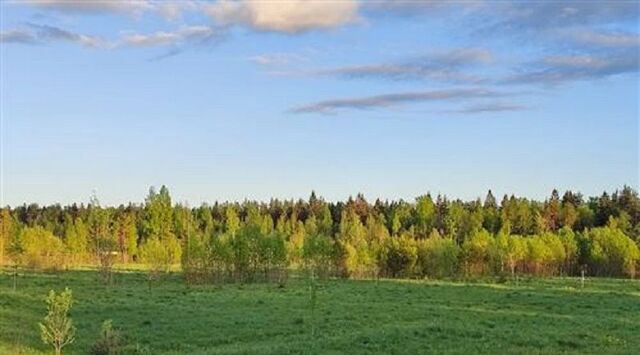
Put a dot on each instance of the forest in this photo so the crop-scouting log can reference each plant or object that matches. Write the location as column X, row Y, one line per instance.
column 431, row 237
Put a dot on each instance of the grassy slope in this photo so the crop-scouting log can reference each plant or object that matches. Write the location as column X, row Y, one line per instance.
column 542, row 316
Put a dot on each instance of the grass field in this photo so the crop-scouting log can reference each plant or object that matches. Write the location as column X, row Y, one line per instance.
column 535, row 316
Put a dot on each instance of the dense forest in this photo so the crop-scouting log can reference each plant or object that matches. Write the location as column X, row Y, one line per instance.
column 256, row 241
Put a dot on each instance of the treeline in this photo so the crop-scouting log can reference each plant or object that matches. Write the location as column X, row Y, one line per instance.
column 251, row 241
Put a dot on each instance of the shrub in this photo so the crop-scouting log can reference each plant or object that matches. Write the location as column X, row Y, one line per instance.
column 57, row 328
column 194, row 259
column 158, row 256
column 220, row 257
column 272, row 257
column 110, row 341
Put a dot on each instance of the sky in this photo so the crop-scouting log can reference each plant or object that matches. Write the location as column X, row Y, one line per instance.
column 233, row 100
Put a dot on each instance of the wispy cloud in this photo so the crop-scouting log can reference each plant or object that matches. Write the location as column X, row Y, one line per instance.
column 52, row 33
column 178, row 40
column 42, row 34
column 388, row 100
column 135, row 7
column 292, row 16
column 18, row 36
column 188, row 34
column 444, row 66
column 605, row 39
column 413, row 8
column 278, row 59
column 489, row 108
column 553, row 70
column 542, row 15
column 170, row 10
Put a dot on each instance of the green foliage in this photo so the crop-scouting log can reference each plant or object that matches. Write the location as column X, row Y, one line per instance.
column 76, row 240
column 159, row 255
column 6, row 232
column 101, row 241
column 570, row 244
column 611, row 252
column 110, row 342
column 476, row 250
column 126, row 237
column 158, row 214
column 232, row 222
column 545, row 254
column 57, row 328
column 399, row 256
column 239, row 241
column 425, row 214
column 319, row 254
column 41, row 249
column 272, row 257
column 195, row 258
column 437, row 256
column 509, row 251
column 355, row 257
column 295, row 243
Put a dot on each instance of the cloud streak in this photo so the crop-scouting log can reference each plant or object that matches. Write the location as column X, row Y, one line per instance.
column 541, row 15
column 170, row 10
column 489, row 108
column 606, row 39
column 18, row 36
column 42, row 34
column 395, row 99
column 92, row 6
column 443, row 66
column 178, row 40
column 188, row 34
column 553, row 70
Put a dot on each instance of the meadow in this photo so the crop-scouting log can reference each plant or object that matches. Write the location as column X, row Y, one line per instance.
column 539, row 316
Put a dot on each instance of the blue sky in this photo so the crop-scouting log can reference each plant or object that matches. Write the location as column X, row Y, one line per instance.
column 227, row 100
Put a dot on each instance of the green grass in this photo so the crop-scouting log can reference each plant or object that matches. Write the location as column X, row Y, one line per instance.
column 535, row 316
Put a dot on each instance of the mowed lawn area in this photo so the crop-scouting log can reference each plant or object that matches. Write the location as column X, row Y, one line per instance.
column 386, row 316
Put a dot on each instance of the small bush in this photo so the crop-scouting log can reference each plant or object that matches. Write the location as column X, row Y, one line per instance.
column 57, row 328
column 110, row 341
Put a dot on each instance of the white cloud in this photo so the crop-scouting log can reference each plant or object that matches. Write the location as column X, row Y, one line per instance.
column 169, row 9
column 92, row 6
column 277, row 59
column 290, row 16
column 607, row 39
column 160, row 38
